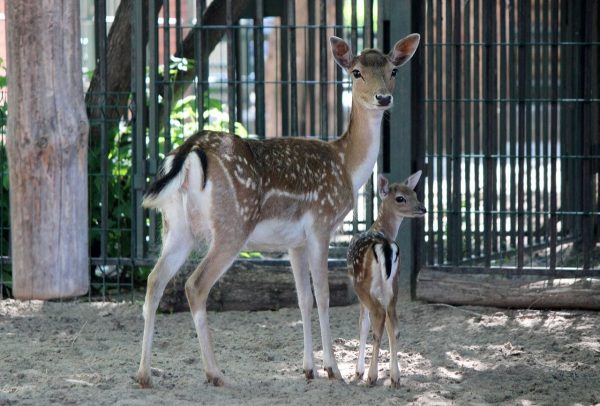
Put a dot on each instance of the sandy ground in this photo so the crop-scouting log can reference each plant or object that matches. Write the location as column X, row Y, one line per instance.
column 87, row 353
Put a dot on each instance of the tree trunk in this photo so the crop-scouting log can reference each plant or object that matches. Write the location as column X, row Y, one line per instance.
column 47, row 150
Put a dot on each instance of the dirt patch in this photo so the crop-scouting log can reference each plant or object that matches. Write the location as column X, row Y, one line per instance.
column 87, row 353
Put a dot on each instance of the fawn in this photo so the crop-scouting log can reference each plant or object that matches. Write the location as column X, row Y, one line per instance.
column 283, row 193
column 373, row 264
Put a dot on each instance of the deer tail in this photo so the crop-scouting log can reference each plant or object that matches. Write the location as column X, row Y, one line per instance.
column 186, row 168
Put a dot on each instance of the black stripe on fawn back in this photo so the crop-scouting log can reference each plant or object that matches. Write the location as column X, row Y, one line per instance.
column 387, row 249
column 387, row 254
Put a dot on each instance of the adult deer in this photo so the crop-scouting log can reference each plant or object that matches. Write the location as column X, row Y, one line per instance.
column 286, row 193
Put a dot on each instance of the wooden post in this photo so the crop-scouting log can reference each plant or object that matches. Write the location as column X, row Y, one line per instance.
column 47, row 150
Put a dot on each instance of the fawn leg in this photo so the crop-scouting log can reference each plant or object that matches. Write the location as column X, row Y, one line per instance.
column 364, row 323
column 378, row 316
column 392, row 331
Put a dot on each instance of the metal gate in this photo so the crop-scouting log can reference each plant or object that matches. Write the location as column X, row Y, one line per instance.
column 510, row 136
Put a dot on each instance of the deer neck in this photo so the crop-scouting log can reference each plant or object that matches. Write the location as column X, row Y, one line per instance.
column 387, row 225
column 359, row 146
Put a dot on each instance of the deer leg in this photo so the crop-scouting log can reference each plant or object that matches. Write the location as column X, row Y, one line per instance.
column 317, row 250
column 363, row 328
column 392, row 331
column 378, row 316
column 217, row 261
column 176, row 248
column 300, row 269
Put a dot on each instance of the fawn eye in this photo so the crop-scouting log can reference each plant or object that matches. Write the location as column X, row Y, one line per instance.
column 356, row 73
column 400, row 199
column 394, row 72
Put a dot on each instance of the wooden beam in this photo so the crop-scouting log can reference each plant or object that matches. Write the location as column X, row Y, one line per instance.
column 256, row 285
column 519, row 291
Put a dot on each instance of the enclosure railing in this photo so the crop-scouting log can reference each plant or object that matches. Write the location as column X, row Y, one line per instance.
column 510, row 131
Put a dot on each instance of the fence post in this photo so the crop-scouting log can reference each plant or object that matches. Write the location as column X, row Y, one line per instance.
column 398, row 152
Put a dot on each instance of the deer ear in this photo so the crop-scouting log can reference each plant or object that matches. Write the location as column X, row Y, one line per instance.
column 413, row 179
column 341, row 52
column 404, row 49
column 384, row 186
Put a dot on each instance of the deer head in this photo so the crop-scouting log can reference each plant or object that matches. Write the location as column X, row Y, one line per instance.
column 373, row 73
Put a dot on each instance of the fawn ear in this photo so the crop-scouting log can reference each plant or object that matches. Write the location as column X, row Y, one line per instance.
column 404, row 49
column 384, row 186
column 341, row 52
column 413, row 179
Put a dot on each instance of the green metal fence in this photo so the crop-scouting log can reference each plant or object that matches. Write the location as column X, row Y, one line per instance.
column 511, row 136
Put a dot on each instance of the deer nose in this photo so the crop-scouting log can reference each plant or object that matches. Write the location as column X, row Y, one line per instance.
column 383, row 100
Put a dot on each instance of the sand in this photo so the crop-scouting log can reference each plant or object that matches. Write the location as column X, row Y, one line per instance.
column 87, row 353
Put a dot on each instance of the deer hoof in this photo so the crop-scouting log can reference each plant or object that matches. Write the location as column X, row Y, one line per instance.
column 333, row 373
column 395, row 383
column 309, row 374
column 215, row 380
column 371, row 381
column 144, row 381
column 359, row 375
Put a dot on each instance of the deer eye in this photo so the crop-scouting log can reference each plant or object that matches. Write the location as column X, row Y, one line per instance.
column 400, row 199
column 356, row 73
column 394, row 72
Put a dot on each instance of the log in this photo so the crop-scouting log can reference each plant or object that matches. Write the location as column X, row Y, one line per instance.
column 47, row 150
column 514, row 291
column 256, row 285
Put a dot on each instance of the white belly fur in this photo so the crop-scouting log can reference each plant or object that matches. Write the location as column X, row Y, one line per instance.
column 278, row 234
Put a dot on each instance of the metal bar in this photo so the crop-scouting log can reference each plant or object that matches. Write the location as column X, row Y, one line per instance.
column 587, row 118
column 353, row 24
column 178, row 26
column 101, row 52
column 311, row 70
column 477, row 120
column 503, row 130
column 293, row 70
column 439, row 133
column 467, row 21
column 430, row 133
column 368, row 29
column 554, row 17
column 284, row 72
column 523, row 27
column 231, row 63
column 153, row 129
column 512, row 113
column 526, row 15
column 447, row 125
column 139, row 128
column 418, row 135
column 323, row 46
column 490, row 130
column 538, row 79
column 545, row 62
column 239, row 58
column 259, row 69
column 200, row 66
column 456, row 237
column 166, row 82
column 339, row 31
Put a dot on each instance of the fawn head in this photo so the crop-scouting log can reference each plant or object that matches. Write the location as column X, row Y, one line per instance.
column 400, row 198
column 373, row 73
